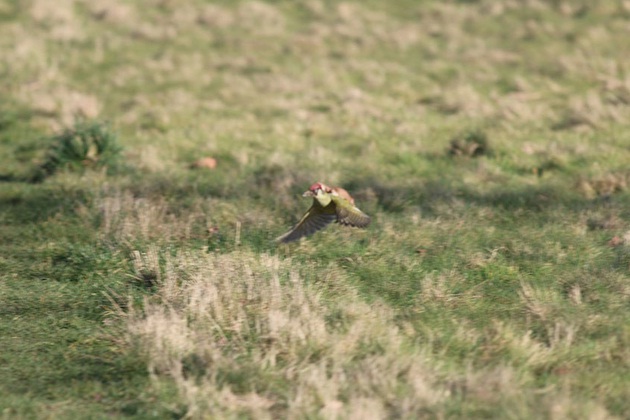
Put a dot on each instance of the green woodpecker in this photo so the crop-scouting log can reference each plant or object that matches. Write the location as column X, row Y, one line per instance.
column 330, row 204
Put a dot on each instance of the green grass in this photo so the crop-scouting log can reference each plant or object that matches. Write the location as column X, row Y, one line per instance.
column 492, row 283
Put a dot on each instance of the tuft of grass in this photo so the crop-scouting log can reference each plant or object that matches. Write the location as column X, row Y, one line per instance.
column 603, row 186
column 471, row 144
column 87, row 145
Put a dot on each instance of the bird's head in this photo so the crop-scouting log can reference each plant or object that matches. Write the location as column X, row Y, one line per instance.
column 315, row 189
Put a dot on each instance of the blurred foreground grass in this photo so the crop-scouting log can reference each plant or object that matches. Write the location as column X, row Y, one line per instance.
column 488, row 140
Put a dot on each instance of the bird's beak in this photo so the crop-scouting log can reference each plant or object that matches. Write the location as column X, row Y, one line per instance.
column 308, row 193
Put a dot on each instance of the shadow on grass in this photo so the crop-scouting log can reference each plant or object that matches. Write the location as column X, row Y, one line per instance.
column 25, row 204
column 530, row 198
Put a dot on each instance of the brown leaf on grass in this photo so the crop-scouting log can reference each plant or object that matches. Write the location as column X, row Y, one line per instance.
column 206, row 162
column 615, row 241
column 562, row 370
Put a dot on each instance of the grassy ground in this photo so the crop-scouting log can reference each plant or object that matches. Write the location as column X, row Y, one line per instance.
column 488, row 140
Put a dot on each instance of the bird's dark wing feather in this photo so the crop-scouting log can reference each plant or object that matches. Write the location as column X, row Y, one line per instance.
column 348, row 214
column 316, row 218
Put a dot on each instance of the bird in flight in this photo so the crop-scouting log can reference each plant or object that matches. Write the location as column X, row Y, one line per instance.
column 330, row 204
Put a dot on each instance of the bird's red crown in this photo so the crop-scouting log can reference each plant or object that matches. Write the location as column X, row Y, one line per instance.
column 316, row 186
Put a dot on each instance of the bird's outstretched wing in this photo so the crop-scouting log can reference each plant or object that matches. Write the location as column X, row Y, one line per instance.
column 316, row 218
column 348, row 214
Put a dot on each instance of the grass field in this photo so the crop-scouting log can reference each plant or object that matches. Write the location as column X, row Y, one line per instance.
column 488, row 140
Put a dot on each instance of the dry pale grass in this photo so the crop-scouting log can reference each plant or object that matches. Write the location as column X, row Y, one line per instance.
column 242, row 334
column 254, row 317
column 331, row 50
column 127, row 219
column 604, row 185
column 58, row 19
